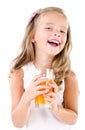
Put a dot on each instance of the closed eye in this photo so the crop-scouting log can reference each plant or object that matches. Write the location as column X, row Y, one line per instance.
column 48, row 28
column 62, row 31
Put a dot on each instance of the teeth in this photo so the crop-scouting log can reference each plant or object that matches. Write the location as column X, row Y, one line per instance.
column 54, row 41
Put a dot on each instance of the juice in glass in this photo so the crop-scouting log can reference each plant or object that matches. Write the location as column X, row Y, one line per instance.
column 40, row 99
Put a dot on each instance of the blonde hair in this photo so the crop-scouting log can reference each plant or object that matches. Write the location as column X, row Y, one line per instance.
column 61, row 63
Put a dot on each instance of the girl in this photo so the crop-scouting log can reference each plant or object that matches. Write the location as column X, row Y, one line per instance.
column 46, row 44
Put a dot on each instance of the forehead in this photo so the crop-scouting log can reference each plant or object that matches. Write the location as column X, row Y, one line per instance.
column 53, row 17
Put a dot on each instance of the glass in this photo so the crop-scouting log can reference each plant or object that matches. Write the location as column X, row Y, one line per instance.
column 49, row 74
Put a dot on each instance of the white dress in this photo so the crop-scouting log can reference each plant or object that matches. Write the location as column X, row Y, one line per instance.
column 40, row 117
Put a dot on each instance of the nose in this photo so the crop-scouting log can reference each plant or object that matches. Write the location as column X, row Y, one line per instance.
column 56, row 33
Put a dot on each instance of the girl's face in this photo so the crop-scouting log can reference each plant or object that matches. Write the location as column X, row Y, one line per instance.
column 51, row 33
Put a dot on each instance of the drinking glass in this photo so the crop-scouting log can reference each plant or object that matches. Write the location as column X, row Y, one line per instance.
column 49, row 74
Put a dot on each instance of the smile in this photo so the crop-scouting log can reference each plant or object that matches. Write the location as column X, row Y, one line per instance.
column 54, row 42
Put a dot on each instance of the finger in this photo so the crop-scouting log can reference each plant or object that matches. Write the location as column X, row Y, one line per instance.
column 48, row 98
column 52, row 95
column 56, row 90
column 41, row 92
column 37, row 77
column 40, row 87
column 54, row 85
column 41, row 81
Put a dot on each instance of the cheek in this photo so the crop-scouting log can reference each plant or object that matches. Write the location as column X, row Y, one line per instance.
column 40, row 38
column 64, row 39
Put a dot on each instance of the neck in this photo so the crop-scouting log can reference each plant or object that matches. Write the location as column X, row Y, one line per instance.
column 43, row 62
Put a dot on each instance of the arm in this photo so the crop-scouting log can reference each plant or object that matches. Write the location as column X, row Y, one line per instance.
column 21, row 99
column 69, row 113
column 20, row 108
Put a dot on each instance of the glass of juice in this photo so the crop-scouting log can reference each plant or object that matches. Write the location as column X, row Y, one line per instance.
column 39, row 100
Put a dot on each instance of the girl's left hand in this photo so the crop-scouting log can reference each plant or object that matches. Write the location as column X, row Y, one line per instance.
column 52, row 98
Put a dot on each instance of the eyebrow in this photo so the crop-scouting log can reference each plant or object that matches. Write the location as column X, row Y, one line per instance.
column 48, row 23
column 53, row 24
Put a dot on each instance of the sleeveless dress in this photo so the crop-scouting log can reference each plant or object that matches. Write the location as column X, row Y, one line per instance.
column 40, row 117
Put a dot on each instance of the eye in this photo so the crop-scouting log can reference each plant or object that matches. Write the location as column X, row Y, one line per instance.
column 49, row 28
column 62, row 31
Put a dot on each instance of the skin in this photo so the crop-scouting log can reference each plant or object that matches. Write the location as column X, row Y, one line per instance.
column 56, row 29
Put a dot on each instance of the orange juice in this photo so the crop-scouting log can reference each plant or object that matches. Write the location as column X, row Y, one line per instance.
column 40, row 99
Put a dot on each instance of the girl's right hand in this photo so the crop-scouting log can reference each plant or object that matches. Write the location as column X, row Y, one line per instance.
column 35, row 89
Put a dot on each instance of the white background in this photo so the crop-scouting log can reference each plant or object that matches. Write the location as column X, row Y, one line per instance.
column 14, row 15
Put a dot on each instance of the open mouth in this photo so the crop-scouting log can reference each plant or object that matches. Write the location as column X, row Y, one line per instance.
column 54, row 42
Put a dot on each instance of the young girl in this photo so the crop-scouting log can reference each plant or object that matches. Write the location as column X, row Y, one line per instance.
column 46, row 44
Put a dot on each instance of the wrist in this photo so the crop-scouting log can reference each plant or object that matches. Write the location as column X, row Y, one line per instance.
column 26, row 99
column 57, row 111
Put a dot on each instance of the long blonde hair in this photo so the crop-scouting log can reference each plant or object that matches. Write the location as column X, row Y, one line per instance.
column 61, row 63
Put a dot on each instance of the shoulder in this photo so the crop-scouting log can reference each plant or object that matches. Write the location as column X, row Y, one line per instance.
column 16, row 82
column 71, row 76
column 17, row 73
column 71, row 82
column 16, row 78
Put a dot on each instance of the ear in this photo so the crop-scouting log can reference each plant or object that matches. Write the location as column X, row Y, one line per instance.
column 33, row 40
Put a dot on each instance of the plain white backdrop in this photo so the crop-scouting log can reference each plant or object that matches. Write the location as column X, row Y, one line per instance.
column 14, row 16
